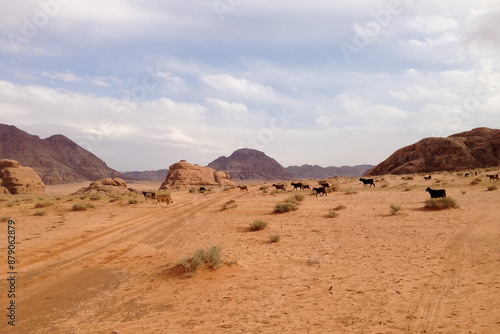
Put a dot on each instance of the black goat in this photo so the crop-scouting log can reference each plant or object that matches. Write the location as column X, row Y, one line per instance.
column 304, row 187
column 427, row 177
column 436, row 193
column 149, row 194
column 202, row 189
column 279, row 186
column 297, row 185
column 324, row 184
column 321, row 191
column 367, row 181
column 243, row 188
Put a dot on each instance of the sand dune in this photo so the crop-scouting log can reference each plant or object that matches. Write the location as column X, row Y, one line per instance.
column 113, row 268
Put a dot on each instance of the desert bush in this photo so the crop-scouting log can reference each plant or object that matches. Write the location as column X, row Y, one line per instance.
column 492, row 187
column 395, row 209
column 263, row 187
column 133, row 201
column 43, row 204
column 84, row 196
column 275, row 237
column 82, row 206
column 333, row 214
column 193, row 190
column 40, row 213
column 4, row 219
column 476, row 181
column 114, row 197
column 229, row 205
column 441, row 203
column 311, row 262
column 285, row 207
column 339, row 207
column 210, row 256
column 295, row 198
column 258, row 225
column 385, row 185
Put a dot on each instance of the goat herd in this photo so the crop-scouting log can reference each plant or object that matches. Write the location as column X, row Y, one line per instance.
column 321, row 191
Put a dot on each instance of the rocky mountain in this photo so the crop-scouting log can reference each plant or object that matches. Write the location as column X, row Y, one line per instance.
column 249, row 164
column 56, row 159
column 148, row 175
column 478, row 148
column 183, row 174
column 318, row 172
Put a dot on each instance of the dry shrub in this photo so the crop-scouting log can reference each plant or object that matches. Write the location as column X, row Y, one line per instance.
column 395, row 209
column 285, row 207
column 441, row 203
column 258, row 225
column 82, row 206
column 333, row 214
column 275, row 237
column 43, row 204
column 229, row 205
column 492, row 187
column 211, row 257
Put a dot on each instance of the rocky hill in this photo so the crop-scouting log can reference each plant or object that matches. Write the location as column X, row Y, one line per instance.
column 56, row 159
column 248, row 164
column 478, row 148
column 183, row 174
column 318, row 172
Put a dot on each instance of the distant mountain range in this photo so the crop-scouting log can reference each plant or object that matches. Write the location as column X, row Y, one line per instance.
column 56, row 159
column 478, row 148
column 318, row 172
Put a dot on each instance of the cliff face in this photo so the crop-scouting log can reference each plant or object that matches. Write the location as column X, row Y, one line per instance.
column 478, row 148
column 16, row 179
column 248, row 164
column 184, row 174
column 56, row 159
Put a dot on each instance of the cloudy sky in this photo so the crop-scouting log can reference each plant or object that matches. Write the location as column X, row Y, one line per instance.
column 143, row 84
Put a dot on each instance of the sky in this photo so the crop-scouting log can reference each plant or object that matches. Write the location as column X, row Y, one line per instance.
column 144, row 84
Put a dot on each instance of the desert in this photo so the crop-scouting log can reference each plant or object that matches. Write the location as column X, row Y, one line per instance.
column 347, row 262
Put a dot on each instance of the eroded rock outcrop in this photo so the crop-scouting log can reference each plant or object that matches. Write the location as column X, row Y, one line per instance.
column 183, row 174
column 106, row 185
column 16, row 179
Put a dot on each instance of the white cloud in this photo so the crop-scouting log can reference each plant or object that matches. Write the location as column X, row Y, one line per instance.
column 228, row 83
column 67, row 76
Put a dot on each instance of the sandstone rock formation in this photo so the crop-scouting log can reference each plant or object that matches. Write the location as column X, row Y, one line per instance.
column 16, row 179
column 478, row 148
column 106, row 185
column 183, row 174
column 248, row 164
column 56, row 159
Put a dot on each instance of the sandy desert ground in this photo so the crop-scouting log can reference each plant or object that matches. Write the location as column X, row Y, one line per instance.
column 114, row 268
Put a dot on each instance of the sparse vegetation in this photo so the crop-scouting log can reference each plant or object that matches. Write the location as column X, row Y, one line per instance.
column 333, row 214
column 285, row 207
column 350, row 192
column 229, row 205
column 133, row 201
column 114, row 197
column 311, row 262
column 492, row 188
column 4, row 219
column 258, row 225
column 95, row 197
column 40, row 213
column 275, row 237
column 395, row 209
column 339, row 207
column 476, row 181
column 43, row 204
column 211, row 256
column 82, row 206
column 441, row 203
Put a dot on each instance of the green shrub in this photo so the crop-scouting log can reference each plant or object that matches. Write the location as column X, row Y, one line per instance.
column 82, row 206
column 258, row 225
column 275, row 237
column 285, row 207
column 441, row 203
column 95, row 197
